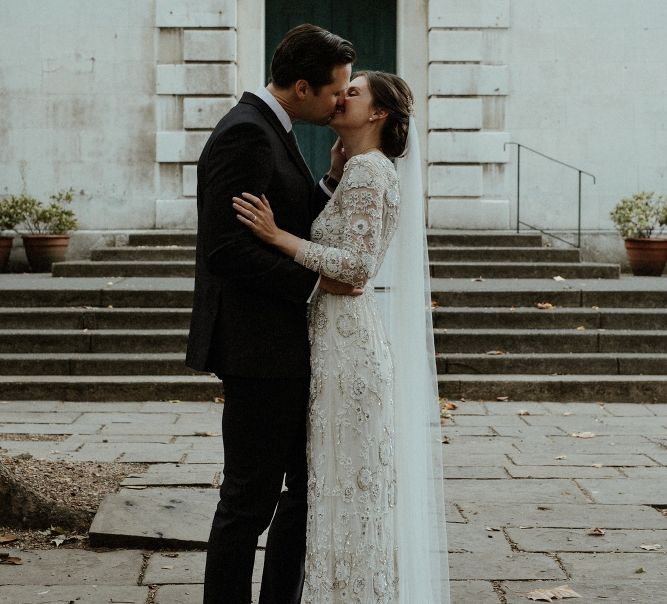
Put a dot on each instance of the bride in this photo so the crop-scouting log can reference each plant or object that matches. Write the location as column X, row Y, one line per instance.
column 375, row 527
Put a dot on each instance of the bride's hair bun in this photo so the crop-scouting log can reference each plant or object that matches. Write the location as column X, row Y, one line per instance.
column 392, row 94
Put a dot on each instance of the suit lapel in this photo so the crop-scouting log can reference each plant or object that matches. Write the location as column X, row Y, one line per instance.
column 272, row 118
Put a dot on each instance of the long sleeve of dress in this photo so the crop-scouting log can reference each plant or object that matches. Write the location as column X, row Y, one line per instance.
column 361, row 208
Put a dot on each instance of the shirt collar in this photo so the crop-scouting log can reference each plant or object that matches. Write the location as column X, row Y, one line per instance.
column 276, row 107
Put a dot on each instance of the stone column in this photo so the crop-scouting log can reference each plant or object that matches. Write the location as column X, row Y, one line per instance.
column 468, row 83
column 195, row 86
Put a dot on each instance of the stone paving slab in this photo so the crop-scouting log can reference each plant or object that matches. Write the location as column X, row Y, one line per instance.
column 26, row 417
column 655, row 473
column 478, row 473
column 471, row 460
column 630, row 409
column 637, row 591
column 578, row 540
column 626, row 490
column 452, row 513
column 581, row 460
column 476, row 538
column 467, row 592
column 155, row 517
column 187, row 567
column 49, row 429
column 564, row 515
column 180, row 594
column 517, row 490
column 43, row 406
column 69, row 594
column 125, row 418
column 175, row 475
column 590, row 567
column 529, row 432
column 517, row 566
column 73, row 567
column 208, row 456
column 561, row 472
column 80, row 439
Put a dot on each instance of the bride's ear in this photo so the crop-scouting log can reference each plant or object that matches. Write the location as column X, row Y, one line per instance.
column 379, row 114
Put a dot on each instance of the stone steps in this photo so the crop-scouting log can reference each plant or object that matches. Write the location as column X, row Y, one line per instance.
column 525, row 270
column 502, row 254
column 569, row 363
column 576, row 388
column 94, row 363
column 127, row 253
column 110, row 387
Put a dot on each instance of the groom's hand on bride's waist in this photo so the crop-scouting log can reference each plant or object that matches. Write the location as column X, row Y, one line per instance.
column 339, row 288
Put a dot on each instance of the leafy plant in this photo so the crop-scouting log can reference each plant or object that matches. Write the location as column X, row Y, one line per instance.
column 641, row 216
column 10, row 214
column 40, row 219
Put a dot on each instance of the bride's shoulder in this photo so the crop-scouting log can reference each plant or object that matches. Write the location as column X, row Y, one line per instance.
column 369, row 169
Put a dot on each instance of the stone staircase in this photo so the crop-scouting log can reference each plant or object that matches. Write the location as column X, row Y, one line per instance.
column 116, row 328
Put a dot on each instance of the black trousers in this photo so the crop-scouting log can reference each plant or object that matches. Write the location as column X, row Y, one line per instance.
column 264, row 437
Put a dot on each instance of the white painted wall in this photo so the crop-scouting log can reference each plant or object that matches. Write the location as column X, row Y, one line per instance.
column 588, row 85
column 77, row 95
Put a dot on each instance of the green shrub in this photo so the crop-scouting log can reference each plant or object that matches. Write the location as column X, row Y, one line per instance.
column 40, row 219
column 642, row 216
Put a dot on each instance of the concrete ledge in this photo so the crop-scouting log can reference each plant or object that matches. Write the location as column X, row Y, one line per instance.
column 195, row 13
column 175, row 213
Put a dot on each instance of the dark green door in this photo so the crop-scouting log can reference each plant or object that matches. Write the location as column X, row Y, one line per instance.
column 369, row 25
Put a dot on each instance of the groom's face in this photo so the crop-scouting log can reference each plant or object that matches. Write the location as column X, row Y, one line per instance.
column 321, row 107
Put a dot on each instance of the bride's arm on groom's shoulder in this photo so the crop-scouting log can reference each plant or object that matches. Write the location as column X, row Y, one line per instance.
column 241, row 160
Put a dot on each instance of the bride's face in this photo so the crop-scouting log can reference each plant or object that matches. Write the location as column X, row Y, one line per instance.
column 357, row 109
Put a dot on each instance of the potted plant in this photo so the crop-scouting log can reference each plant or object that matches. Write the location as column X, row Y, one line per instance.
column 10, row 216
column 640, row 220
column 48, row 226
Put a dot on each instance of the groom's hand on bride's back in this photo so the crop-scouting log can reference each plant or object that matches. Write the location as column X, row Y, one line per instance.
column 339, row 288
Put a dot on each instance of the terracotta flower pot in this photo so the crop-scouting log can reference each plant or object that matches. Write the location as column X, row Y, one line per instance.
column 5, row 249
column 43, row 250
column 647, row 257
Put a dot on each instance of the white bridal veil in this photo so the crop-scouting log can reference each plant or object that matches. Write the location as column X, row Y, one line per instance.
column 422, row 543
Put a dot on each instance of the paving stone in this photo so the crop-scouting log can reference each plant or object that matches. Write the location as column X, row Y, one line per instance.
column 479, row 592
column 67, row 594
column 471, row 408
column 19, row 417
column 513, row 408
column 586, row 567
column 658, row 409
column 187, row 567
column 153, row 453
column 483, row 472
column 42, row 406
column 564, row 515
column 180, row 407
column 557, row 408
column 175, row 475
column 578, row 540
column 453, row 431
column 561, row 472
column 119, row 438
column 656, row 473
column 73, row 567
column 599, row 444
column 49, row 429
column 626, row 490
column 452, row 513
column 637, row 591
column 577, row 459
column 489, row 420
column 200, row 442
column 478, row 444
column 660, row 456
column 515, row 566
column 519, row 490
column 532, row 433
column 476, row 538
column 628, row 409
column 99, row 407
column 40, row 449
column 209, row 456
column 127, row 418
column 472, row 460
column 180, row 594
column 155, row 517
column 606, row 425
column 148, row 428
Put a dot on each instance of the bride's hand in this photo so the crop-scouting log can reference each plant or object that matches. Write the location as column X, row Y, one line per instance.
column 256, row 214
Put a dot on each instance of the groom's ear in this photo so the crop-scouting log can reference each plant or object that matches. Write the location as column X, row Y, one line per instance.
column 301, row 89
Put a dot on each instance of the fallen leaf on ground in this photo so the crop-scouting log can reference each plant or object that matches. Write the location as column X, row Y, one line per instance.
column 58, row 541
column 651, row 547
column 494, row 352
column 557, row 593
column 168, row 567
column 136, row 487
column 544, row 305
column 640, row 570
column 219, row 399
column 567, row 412
column 5, row 558
column 492, row 528
column 583, row 434
column 434, row 303
column 502, row 398
column 174, row 400
column 451, row 406
column 477, row 279
column 596, row 465
column 581, row 328
column 596, row 532
column 170, row 555
column 207, row 433
column 8, row 538
column 561, row 457
column 559, row 278
column 524, row 412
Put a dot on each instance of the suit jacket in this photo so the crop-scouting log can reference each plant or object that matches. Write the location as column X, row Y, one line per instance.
column 249, row 311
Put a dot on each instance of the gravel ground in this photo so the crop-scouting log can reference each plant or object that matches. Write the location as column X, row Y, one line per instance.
column 80, row 486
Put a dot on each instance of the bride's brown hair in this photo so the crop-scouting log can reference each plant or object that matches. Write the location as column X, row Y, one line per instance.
column 392, row 94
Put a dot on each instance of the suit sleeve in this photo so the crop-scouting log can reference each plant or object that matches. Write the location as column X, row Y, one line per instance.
column 239, row 161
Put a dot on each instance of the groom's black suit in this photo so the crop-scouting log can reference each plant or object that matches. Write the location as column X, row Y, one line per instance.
column 249, row 327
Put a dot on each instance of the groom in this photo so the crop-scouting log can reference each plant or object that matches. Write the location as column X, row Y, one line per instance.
column 249, row 316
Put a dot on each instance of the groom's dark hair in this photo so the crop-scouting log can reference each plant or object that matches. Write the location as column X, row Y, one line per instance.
column 308, row 52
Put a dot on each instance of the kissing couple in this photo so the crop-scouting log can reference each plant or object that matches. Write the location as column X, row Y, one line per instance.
column 312, row 305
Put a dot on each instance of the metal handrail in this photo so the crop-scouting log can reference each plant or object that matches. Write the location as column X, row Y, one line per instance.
column 579, row 171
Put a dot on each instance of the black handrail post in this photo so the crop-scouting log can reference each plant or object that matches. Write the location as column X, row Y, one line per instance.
column 579, row 219
column 518, row 186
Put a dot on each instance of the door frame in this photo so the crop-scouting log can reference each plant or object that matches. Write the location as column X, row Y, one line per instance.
column 411, row 51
